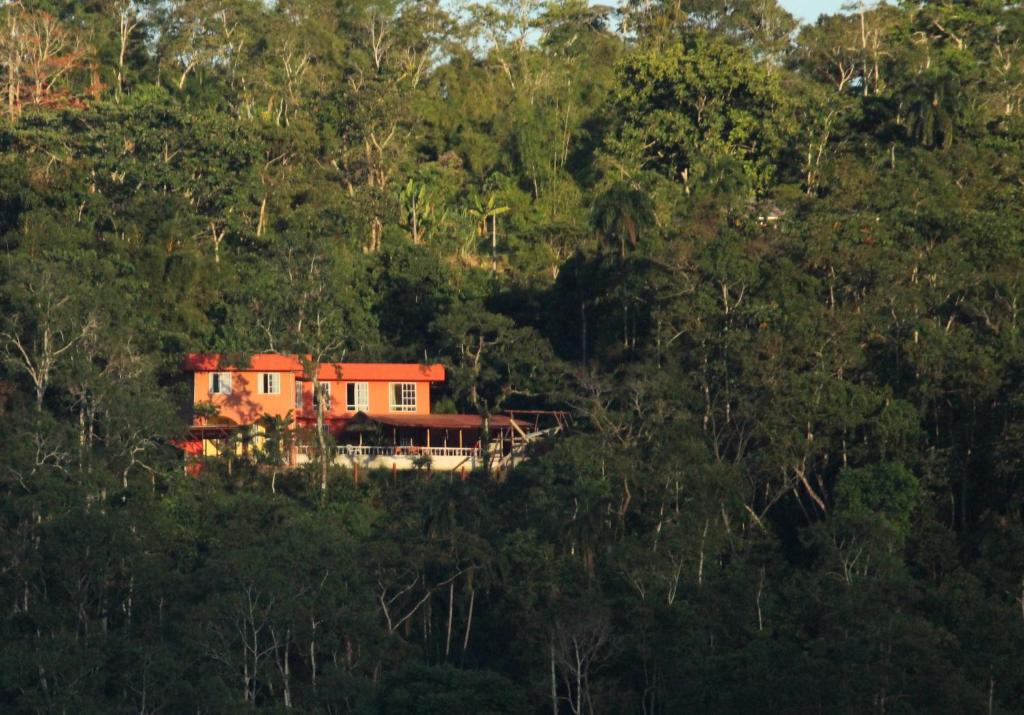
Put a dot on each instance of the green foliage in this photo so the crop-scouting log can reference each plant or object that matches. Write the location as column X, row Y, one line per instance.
column 889, row 491
column 773, row 277
column 443, row 689
column 701, row 112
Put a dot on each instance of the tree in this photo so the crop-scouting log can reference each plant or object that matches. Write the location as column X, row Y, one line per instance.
column 489, row 211
column 621, row 213
column 47, row 315
column 311, row 304
column 40, row 59
column 687, row 109
column 932, row 107
column 492, row 360
column 444, row 689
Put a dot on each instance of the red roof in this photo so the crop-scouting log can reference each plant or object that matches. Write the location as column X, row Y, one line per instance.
column 434, row 421
column 361, row 371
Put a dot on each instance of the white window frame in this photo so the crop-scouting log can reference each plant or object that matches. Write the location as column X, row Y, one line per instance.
column 357, row 396
column 325, row 390
column 223, row 383
column 275, row 383
column 405, row 389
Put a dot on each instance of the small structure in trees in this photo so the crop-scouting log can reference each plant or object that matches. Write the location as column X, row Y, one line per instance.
column 377, row 414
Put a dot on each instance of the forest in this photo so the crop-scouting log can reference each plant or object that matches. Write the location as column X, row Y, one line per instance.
column 774, row 271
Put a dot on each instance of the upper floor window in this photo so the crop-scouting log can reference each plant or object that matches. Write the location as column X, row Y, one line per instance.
column 220, row 383
column 358, row 396
column 298, row 394
column 403, row 397
column 323, row 394
column 270, row 383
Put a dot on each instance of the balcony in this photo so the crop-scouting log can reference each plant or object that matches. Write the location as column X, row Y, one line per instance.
column 352, row 450
column 406, row 457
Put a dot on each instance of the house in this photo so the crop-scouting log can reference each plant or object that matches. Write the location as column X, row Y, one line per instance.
column 377, row 414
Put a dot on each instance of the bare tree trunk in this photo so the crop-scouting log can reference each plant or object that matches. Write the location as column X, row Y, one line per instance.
column 217, row 237
column 578, row 707
column 127, row 23
column 469, row 617
column 13, row 60
column 415, row 222
column 700, row 566
column 583, row 332
column 13, row 90
column 451, row 606
column 760, row 591
column 554, row 682
column 321, row 438
column 494, row 244
column 485, row 441
column 312, row 652
column 262, row 222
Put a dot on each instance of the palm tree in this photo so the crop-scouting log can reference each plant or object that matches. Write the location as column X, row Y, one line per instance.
column 621, row 213
column 482, row 212
column 932, row 105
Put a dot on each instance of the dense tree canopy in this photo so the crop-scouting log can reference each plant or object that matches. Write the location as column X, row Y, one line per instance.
column 776, row 274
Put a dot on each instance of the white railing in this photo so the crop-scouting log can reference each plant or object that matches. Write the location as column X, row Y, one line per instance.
column 353, row 450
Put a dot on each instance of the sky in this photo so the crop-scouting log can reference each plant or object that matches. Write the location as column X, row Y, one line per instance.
column 808, row 10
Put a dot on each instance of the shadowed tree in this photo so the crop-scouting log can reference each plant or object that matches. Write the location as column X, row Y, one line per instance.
column 621, row 214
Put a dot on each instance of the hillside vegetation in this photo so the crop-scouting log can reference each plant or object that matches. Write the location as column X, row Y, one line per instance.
column 776, row 273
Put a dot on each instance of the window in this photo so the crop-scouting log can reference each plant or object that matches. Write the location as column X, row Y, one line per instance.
column 270, row 383
column 298, row 394
column 358, row 396
column 403, row 397
column 323, row 393
column 220, row 383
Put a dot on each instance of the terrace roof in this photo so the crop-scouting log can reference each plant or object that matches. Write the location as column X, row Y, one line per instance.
column 362, row 421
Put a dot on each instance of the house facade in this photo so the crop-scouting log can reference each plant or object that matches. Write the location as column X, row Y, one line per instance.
column 378, row 414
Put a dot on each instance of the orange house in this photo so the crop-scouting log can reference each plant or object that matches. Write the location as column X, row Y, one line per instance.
column 394, row 428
